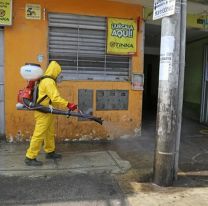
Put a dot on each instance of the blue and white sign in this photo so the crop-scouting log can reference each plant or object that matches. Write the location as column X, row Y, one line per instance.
column 163, row 8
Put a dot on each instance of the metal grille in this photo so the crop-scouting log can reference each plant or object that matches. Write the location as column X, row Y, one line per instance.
column 112, row 99
column 78, row 43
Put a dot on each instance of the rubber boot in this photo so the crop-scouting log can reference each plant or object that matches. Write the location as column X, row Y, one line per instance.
column 53, row 155
column 32, row 162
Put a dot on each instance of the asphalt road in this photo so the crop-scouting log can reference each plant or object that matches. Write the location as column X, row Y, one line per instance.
column 79, row 189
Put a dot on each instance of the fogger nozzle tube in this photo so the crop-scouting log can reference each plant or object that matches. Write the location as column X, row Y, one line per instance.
column 27, row 106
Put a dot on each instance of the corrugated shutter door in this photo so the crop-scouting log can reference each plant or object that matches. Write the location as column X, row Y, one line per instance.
column 78, row 43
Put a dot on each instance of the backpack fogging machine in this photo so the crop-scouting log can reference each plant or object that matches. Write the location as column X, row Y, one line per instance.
column 27, row 97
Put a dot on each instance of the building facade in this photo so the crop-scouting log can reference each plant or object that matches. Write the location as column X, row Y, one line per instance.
column 99, row 82
column 75, row 34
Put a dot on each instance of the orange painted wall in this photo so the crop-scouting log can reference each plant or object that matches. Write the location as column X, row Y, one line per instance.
column 25, row 39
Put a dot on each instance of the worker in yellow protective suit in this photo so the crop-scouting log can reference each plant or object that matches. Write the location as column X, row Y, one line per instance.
column 44, row 127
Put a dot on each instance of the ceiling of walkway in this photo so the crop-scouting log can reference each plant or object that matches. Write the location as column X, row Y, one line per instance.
column 152, row 31
column 149, row 3
column 153, row 35
column 200, row 1
column 194, row 6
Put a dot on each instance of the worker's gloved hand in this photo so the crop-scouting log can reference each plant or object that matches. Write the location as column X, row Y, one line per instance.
column 72, row 106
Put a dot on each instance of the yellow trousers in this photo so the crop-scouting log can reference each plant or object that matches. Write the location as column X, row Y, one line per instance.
column 44, row 132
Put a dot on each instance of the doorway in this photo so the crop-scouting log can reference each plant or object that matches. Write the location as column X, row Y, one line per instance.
column 151, row 81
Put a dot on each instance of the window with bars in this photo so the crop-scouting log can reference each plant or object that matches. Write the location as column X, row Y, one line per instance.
column 78, row 43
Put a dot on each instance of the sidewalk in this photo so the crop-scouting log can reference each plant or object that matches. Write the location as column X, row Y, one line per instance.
column 105, row 174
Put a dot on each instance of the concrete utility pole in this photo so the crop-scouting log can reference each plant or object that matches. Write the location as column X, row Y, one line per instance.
column 168, row 98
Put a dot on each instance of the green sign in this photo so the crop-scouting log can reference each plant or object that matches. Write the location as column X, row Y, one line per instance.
column 6, row 12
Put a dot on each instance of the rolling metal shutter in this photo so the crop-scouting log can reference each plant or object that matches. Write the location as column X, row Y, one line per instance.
column 78, row 43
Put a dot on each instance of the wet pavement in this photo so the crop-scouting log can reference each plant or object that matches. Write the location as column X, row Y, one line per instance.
column 107, row 173
column 81, row 162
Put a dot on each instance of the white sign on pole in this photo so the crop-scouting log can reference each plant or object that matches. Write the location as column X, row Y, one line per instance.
column 163, row 8
column 166, row 56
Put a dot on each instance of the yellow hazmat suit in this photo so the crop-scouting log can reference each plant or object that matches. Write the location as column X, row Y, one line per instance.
column 44, row 127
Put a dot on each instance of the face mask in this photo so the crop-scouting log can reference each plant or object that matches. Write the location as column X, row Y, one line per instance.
column 59, row 79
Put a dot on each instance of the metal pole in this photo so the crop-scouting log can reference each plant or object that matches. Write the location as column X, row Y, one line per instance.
column 181, row 80
column 166, row 130
column 2, row 87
